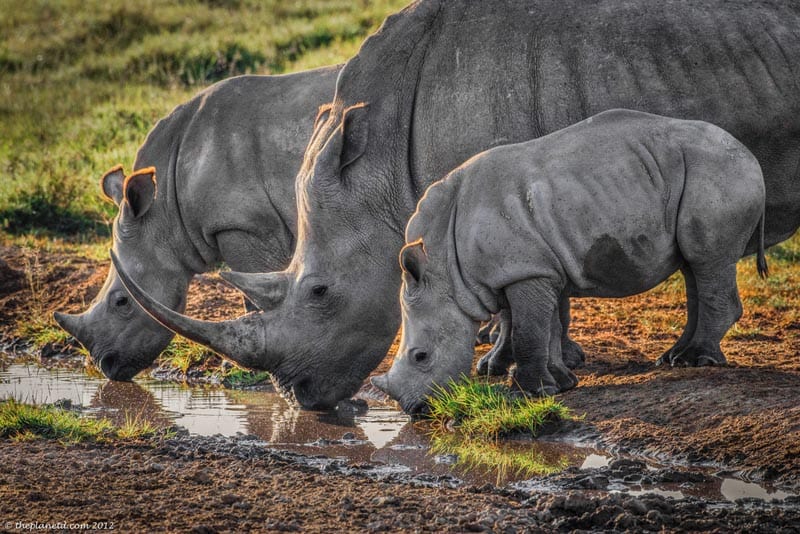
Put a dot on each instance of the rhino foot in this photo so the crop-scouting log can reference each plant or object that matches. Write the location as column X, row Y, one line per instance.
column 535, row 384
column 572, row 354
column 565, row 378
column 693, row 355
column 489, row 366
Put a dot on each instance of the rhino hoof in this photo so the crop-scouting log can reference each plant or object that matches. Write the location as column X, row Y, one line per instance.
column 572, row 354
column 565, row 378
column 693, row 356
column 487, row 366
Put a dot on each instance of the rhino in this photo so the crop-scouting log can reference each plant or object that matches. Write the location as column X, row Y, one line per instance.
column 215, row 182
column 608, row 207
column 441, row 81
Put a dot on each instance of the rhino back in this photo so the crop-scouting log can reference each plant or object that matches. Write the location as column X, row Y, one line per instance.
column 593, row 205
column 227, row 161
column 507, row 71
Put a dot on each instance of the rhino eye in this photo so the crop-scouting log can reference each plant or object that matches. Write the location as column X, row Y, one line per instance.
column 420, row 356
column 121, row 300
column 319, row 291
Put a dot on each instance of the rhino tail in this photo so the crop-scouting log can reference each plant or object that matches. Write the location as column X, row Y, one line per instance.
column 761, row 259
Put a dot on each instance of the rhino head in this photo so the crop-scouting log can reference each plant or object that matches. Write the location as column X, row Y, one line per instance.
column 327, row 320
column 437, row 341
column 121, row 338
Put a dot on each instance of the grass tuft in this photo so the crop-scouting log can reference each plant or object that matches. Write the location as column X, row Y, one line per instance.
column 183, row 354
column 26, row 422
column 485, row 410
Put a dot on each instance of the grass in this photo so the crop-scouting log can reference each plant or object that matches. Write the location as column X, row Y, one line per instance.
column 238, row 378
column 502, row 458
column 82, row 82
column 184, row 354
column 26, row 422
column 484, row 410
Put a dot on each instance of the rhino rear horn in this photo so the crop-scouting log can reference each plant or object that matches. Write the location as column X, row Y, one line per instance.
column 380, row 382
column 242, row 340
column 265, row 290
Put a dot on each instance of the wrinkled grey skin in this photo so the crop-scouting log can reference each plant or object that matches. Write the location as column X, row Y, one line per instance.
column 225, row 164
column 442, row 81
column 608, row 207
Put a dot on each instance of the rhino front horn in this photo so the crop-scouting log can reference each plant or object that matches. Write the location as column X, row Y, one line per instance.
column 380, row 382
column 70, row 323
column 242, row 340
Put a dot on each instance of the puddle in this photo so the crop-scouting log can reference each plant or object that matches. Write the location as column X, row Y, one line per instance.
column 380, row 436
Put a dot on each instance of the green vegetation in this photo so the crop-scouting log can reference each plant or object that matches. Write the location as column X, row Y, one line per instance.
column 184, row 354
column 503, row 458
column 82, row 82
column 484, row 410
column 238, row 378
column 24, row 422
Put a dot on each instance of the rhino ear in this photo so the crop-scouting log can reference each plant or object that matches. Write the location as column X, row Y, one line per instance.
column 413, row 259
column 140, row 190
column 356, row 134
column 111, row 184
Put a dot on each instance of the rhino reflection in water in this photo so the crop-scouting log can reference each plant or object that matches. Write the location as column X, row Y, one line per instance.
column 444, row 80
column 224, row 165
column 608, row 207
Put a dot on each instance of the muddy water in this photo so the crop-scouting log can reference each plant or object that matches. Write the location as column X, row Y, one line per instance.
column 381, row 435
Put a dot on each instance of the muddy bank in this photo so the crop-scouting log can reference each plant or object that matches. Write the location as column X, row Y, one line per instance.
column 743, row 419
column 229, row 485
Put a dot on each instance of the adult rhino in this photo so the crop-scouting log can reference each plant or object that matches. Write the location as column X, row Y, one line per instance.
column 443, row 80
column 215, row 183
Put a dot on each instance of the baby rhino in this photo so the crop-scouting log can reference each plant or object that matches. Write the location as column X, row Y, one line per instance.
column 608, row 207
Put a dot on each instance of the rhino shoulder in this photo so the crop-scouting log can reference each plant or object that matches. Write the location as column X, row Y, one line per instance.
column 434, row 208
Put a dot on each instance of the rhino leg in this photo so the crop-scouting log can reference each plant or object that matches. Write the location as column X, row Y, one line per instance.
column 718, row 307
column 489, row 332
column 533, row 339
column 690, row 283
column 556, row 365
column 496, row 361
column 571, row 352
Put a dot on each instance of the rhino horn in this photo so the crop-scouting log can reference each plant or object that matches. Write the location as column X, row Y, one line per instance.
column 265, row 290
column 242, row 339
column 69, row 322
column 380, row 382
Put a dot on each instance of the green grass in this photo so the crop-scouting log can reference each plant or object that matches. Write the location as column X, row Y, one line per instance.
column 502, row 458
column 82, row 82
column 243, row 378
column 25, row 422
column 184, row 354
column 485, row 410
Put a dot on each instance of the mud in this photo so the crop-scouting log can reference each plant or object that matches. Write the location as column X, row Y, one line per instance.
column 740, row 421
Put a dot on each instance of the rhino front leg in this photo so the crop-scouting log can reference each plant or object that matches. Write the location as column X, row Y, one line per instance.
column 690, row 283
column 718, row 308
column 571, row 352
column 534, row 304
column 496, row 361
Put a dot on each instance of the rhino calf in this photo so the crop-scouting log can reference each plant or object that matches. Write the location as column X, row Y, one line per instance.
column 608, row 207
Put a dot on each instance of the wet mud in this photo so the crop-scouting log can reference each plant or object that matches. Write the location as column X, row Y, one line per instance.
column 675, row 449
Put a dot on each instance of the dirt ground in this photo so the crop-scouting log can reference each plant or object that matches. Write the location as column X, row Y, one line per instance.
column 744, row 418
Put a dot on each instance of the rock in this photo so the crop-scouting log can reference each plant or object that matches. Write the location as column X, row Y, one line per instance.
column 201, row 477
column 203, row 529
column 386, row 500
column 230, row 498
column 578, row 504
column 348, row 436
column 636, row 506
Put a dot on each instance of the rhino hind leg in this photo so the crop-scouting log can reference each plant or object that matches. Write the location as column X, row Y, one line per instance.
column 497, row 361
column 536, row 343
column 489, row 332
column 680, row 345
column 718, row 308
column 571, row 352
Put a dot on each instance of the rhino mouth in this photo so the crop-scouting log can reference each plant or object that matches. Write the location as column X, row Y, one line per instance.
column 114, row 369
column 416, row 408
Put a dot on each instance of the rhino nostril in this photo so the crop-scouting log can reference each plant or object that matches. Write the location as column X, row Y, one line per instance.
column 107, row 365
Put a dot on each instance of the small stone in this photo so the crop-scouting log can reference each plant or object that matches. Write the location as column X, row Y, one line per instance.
column 348, row 436
column 203, row 529
column 230, row 498
column 387, row 500
column 201, row 477
column 156, row 467
column 636, row 506
column 578, row 504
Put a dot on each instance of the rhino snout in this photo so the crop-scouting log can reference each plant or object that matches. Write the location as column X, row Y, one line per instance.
column 113, row 367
